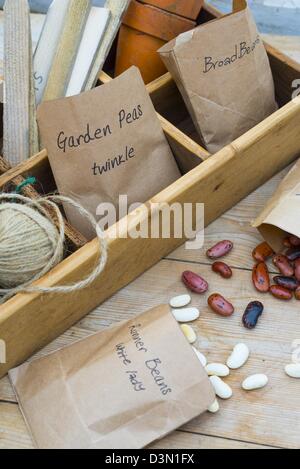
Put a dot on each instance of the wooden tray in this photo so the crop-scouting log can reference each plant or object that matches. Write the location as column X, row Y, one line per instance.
column 28, row 322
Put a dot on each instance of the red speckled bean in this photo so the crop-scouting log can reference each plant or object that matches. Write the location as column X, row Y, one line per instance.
column 297, row 294
column 262, row 252
column 223, row 269
column 194, row 282
column 297, row 269
column 294, row 241
column 261, row 278
column 281, row 293
column 283, row 264
column 219, row 305
column 286, row 242
column 220, row 249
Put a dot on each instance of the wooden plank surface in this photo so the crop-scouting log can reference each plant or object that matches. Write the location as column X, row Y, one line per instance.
column 264, row 418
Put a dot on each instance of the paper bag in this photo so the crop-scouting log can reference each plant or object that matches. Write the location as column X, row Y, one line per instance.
column 107, row 143
column 223, row 73
column 281, row 214
column 122, row 388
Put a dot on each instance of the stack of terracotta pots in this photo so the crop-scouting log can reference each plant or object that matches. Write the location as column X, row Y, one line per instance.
column 147, row 26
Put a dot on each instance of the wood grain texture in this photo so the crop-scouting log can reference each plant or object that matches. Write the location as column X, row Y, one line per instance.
column 17, row 119
column 64, row 59
column 14, row 435
column 188, row 440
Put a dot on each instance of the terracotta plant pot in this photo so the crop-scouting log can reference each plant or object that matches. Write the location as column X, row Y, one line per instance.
column 144, row 30
column 187, row 8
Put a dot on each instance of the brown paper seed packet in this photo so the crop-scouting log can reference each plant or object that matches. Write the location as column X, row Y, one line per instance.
column 122, row 388
column 107, row 143
column 223, row 73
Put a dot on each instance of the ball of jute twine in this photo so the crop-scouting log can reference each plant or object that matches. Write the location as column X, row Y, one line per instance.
column 31, row 245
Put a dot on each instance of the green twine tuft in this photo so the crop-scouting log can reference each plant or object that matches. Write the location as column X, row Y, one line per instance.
column 29, row 181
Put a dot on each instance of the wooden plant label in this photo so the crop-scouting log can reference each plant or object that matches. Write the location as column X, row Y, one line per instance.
column 47, row 45
column 65, row 56
column 95, row 29
column 117, row 10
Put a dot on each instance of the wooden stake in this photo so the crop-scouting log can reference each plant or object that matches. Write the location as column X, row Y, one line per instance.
column 47, row 45
column 17, row 59
column 68, row 46
column 117, row 9
column 93, row 34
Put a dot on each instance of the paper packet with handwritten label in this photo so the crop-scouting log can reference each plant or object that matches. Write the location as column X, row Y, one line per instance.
column 223, row 73
column 121, row 388
column 107, row 144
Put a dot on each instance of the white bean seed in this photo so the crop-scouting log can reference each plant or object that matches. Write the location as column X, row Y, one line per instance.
column 217, row 369
column 214, row 408
column 255, row 382
column 201, row 357
column 293, row 370
column 189, row 333
column 186, row 314
column 180, row 301
column 222, row 389
column 239, row 357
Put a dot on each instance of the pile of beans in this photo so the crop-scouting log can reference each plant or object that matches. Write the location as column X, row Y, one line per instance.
column 286, row 285
column 283, row 287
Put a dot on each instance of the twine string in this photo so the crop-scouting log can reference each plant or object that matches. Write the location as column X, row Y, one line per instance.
column 52, row 201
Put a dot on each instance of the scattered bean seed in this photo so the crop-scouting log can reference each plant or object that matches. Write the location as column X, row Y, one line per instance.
column 255, row 382
column 294, row 241
column 220, row 306
column 201, row 357
column 293, row 253
column 180, row 301
column 297, row 269
column 214, row 408
column 239, row 357
column 194, row 282
column 220, row 250
column 252, row 313
column 189, row 333
column 293, row 370
column 222, row 389
column 261, row 277
column 287, row 282
column 283, row 264
column 262, row 252
column 281, row 293
column 186, row 314
column 217, row 369
column 223, row 269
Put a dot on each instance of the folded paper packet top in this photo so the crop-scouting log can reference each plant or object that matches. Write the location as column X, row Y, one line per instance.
column 223, row 73
column 124, row 387
column 280, row 215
